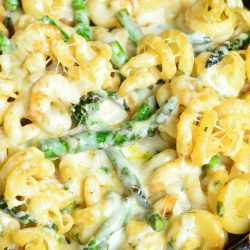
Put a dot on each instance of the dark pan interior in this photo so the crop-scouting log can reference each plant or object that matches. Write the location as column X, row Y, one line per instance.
column 238, row 242
column 247, row 3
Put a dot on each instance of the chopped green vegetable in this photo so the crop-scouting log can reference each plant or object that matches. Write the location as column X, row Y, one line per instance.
column 156, row 221
column 220, row 209
column 198, row 38
column 76, row 238
column 217, row 183
column 119, row 56
column 170, row 245
column 67, row 184
column 48, row 20
column 87, row 140
column 241, row 41
column 62, row 240
column 81, row 18
column 200, row 42
column 11, row 5
column 52, row 226
column 4, row 43
column 69, row 209
column 23, row 217
column 105, row 169
column 130, row 25
column 112, row 224
column 214, row 161
column 146, row 109
column 84, row 112
column 126, row 174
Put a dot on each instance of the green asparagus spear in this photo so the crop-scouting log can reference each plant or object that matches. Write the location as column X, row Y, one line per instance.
column 215, row 160
column 81, row 18
column 131, row 182
column 85, row 111
column 126, row 174
column 111, row 225
column 130, row 25
column 242, row 40
column 52, row 226
column 156, row 221
column 4, row 43
column 84, row 141
column 23, row 217
column 199, row 38
column 146, row 109
column 48, row 20
column 200, row 42
column 11, row 5
column 119, row 56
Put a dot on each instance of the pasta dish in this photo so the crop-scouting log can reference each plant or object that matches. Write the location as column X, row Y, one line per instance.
column 124, row 124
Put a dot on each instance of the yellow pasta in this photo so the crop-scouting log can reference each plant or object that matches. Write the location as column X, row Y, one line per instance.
column 199, row 229
column 49, row 100
column 35, row 238
column 222, row 77
column 8, row 226
column 193, row 93
column 213, row 17
column 203, row 134
column 56, row 9
column 77, row 173
column 139, row 234
column 248, row 63
column 180, row 179
column 183, row 53
column 232, row 206
column 217, row 181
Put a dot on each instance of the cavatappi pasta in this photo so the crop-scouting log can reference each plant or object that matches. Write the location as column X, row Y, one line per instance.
column 124, row 124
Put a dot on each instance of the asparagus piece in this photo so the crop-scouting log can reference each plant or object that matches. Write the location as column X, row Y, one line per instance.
column 84, row 111
column 119, row 56
column 4, row 43
column 242, row 40
column 126, row 174
column 87, row 140
column 52, row 226
column 156, row 221
column 131, row 182
column 69, row 209
column 81, row 18
column 112, row 224
column 130, row 25
column 23, row 217
column 200, row 42
column 48, row 20
column 11, row 5
column 146, row 109
column 199, row 38
column 215, row 160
